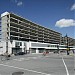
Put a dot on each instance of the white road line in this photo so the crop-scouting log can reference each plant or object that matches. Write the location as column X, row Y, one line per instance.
column 65, row 66
column 34, row 58
column 7, row 62
column 28, row 58
column 25, row 69
column 21, row 59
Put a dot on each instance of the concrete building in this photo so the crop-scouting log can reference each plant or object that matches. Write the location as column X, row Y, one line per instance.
column 71, row 41
column 19, row 34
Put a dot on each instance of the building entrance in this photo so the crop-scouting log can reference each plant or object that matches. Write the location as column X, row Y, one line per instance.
column 16, row 50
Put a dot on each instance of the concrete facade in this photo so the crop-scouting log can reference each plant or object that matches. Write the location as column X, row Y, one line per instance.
column 20, row 34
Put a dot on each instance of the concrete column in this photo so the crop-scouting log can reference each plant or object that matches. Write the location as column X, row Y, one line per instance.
column 37, row 51
column 9, row 47
column 30, row 51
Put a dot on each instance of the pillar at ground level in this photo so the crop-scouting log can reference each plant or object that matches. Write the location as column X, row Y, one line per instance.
column 37, row 51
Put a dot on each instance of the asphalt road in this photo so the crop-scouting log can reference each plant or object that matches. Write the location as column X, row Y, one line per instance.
column 36, row 64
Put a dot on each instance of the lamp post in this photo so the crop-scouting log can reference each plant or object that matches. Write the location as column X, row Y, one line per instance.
column 58, row 48
column 67, row 44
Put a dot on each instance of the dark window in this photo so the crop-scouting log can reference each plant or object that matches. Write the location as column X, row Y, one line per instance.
column 17, row 44
column 20, row 43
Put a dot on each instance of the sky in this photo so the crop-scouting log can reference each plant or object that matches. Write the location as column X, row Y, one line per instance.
column 58, row 15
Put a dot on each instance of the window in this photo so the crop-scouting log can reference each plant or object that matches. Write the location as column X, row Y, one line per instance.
column 24, row 44
column 18, row 44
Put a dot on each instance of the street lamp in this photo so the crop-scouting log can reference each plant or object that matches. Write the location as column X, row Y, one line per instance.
column 67, row 44
column 58, row 48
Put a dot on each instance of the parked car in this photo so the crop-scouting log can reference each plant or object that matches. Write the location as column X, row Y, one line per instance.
column 62, row 51
column 20, row 53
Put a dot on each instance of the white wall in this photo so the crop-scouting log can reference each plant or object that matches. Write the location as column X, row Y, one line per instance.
column 9, row 47
column 1, row 47
column 3, row 50
column 28, row 45
column 43, row 45
column 5, row 13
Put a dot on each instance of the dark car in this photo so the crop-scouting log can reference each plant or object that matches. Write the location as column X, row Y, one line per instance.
column 62, row 51
column 20, row 53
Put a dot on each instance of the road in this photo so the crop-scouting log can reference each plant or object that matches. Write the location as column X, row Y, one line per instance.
column 36, row 64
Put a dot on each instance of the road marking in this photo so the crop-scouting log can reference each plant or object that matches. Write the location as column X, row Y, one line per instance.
column 21, row 59
column 65, row 66
column 34, row 58
column 7, row 62
column 25, row 69
column 47, row 56
column 28, row 58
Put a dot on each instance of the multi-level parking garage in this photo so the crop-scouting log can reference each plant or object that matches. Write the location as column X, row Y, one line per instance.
column 24, row 30
column 19, row 34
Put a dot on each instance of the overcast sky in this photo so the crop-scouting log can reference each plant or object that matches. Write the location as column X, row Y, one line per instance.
column 54, row 14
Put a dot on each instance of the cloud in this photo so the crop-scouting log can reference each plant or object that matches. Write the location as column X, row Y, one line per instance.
column 14, row 1
column 65, row 23
column 73, row 7
column 19, row 3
